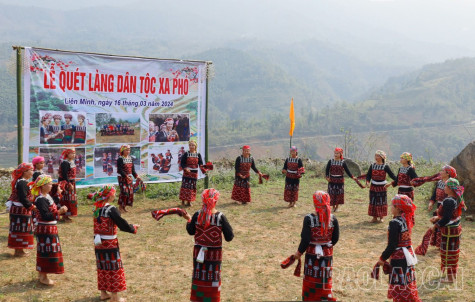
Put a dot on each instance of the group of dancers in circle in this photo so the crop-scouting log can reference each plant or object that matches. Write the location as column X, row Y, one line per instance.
column 48, row 202
column 117, row 129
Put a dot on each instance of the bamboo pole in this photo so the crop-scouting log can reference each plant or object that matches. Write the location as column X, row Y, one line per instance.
column 206, row 128
column 19, row 103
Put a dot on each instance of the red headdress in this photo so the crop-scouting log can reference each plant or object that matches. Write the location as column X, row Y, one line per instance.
column 18, row 172
column 100, row 197
column 405, row 204
column 450, row 170
column 321, row 201
column 68, row 115
column 210, row 198
column 339, row 150
column 246, row 147
column 66, row 152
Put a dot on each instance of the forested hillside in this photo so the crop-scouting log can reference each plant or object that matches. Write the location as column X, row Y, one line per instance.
column 364, row 94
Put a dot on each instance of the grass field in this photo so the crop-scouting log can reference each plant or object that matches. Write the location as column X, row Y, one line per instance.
column 158, row 259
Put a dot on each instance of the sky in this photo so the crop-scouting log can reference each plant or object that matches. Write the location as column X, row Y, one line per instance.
column 449, row 22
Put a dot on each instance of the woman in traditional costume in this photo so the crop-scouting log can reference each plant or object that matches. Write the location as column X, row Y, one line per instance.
column 67, row 176
column 45, row 129
column 404, row 176
column 39, row 163
column 293, row 170
column 448, row 222
column 49, row 256
column 126, row 174
column 56, row 133
column 438, row 197
column 242, row 186
column 80, row 130
column 20, row 205
column 320, row 232
column 110, row 272
column 191, row 161
column 378, row 205
column 68, row 129
column 402, row 279
column 336, row 181
column 208, row 226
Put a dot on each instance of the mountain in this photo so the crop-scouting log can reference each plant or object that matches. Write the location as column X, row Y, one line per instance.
column 429, row 112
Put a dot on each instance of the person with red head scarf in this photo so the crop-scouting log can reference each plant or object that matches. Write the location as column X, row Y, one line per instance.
column 378, row 204
column 67, row 176
column 336, row 181
column 448, row 222
column 49, row 256
column 293, row 170
column 405, row 175
column 438, row 197
column 126, row 174
column 191, row 161
column 20, row 205
column 110, row 271
column 402, row 279
column 320, row 232
column 242, row 186
column 208, row 226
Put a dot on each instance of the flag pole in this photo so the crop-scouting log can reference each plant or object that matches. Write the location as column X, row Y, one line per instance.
column 292, row 120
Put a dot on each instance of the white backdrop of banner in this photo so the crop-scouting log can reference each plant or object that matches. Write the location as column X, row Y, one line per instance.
column 96, row 103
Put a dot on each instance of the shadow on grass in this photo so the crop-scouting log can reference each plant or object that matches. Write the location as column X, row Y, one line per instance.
column 88, row 299
column 20, row 287
column 6, row 256
column 3, row 238
column 271, row 209
column 433, row 285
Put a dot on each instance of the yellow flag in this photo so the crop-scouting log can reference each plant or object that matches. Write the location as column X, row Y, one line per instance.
column 292, row 118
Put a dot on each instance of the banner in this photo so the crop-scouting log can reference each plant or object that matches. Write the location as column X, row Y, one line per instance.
column 97, row 103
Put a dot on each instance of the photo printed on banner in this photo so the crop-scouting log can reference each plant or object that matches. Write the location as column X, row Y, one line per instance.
column 169, row 127
column 165, row 159
column 62, row 127
column 117, row 128
column 105, row 160
column 53, row 161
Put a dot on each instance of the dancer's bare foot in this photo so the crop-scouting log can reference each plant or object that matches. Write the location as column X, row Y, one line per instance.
column 375, row 219
column 188, row 204
column 43, row 278
column 122, row 209
column 105, row 295
column 115, row 298
column 67, row 219
column 381, row 219
column 20, row 253
column 448, row 279
column 238, row 202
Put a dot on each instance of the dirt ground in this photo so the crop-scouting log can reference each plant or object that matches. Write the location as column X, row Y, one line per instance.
column 158, row 259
